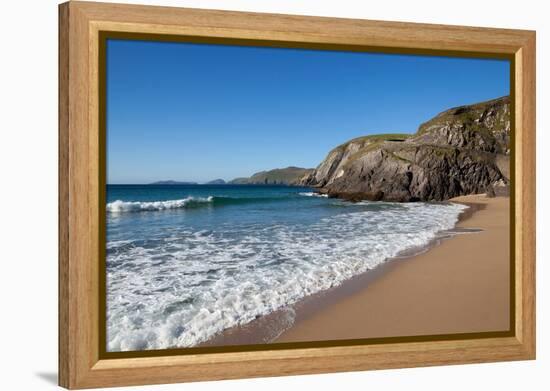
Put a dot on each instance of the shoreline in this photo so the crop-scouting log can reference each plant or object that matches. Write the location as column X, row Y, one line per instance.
column 368, row 305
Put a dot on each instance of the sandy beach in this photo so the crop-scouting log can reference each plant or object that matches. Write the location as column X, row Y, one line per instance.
column 458, row 286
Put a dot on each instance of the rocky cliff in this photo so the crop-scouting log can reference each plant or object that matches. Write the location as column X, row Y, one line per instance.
column 278, row 176
column 464, row 150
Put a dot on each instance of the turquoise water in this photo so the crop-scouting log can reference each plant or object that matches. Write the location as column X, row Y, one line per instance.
column 233, row 205
column 185, row 262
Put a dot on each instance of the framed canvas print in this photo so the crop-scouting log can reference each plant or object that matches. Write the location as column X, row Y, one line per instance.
column 249, row 195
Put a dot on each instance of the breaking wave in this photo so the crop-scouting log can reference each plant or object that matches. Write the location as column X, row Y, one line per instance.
column 186, row 286
column 313, row 194
column 119, row 206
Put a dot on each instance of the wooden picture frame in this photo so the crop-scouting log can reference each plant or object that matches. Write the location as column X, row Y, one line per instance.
column 82, row 167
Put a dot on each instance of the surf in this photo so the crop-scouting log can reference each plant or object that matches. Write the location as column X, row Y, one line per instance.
column 177, row 280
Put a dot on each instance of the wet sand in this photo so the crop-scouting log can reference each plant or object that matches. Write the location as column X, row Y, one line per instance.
column 459, row 286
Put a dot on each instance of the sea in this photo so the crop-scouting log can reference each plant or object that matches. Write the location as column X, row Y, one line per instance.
column 185, row 262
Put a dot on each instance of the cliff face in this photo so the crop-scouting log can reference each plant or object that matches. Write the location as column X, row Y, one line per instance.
column 463, row 150
column 278, row 176
column 333, row 166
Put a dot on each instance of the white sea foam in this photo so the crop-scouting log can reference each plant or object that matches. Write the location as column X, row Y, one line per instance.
column 119, row 206
column 197, row 283
column 313, row 194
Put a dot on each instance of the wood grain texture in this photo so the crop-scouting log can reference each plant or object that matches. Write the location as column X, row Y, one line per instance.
column 80, row 205
column 526, row 211
column 63, row 178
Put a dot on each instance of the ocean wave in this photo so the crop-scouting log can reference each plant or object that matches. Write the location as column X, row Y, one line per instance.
column 313, row 194
column 198, row 283
column 119, row 206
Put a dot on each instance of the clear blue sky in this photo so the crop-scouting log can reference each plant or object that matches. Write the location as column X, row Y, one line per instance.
column 199, row 112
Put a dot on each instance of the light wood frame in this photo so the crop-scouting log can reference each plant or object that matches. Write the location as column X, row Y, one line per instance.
column 80, row 165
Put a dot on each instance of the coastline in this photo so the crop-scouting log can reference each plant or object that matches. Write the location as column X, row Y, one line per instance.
column 459, row 283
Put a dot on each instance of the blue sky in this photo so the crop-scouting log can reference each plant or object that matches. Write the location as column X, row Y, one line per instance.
column 194, row 112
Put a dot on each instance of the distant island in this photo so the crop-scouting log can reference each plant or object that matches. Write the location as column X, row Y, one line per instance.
column 216, row 182
column 172, row 183
column 279, row 176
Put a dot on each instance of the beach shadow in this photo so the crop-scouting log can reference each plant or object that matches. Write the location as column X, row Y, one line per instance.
column 49, row 377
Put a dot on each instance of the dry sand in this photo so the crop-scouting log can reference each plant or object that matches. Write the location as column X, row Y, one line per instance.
column 458, row 286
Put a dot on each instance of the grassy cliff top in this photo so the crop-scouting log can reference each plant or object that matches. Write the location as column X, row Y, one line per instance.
column 469, row 115
column 374, row 138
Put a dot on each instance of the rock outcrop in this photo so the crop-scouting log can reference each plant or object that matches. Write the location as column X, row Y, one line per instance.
column 464, row 150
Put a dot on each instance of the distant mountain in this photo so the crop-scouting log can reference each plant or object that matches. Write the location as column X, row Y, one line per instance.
column 172, row 183
column 216, row 182
column 278, row 176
